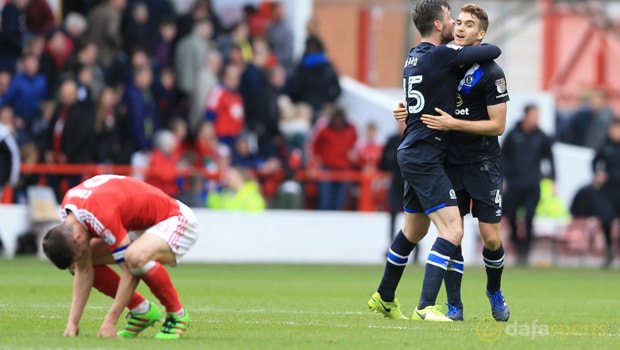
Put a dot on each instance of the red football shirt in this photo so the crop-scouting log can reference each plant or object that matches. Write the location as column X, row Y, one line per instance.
column 110, row 205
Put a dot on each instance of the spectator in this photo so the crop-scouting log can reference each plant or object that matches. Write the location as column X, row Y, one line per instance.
column 234, row 56
column 74, row 27
column 524, row 151
column 189, row 56
column 315, row 79
column 29, row 154
column 280, row 36
column 107, row 133
column 11, row 32
column 83, row 76
column 588, row 126
column 69, row 136
column 138, row 59
column 266, row 123
column 86, row 57
column 206, row 81
column 5, row 84
column 368, row 150
column 138, row 32
column 26, row 93
column 159, row 10
column 331, row 151
column 194, row 196
column 202, row 10
column 207, row 147
column 183, row 148
column 257, row 18
column 225, row 106
column 366, row 156
column 104, row 29
column 254, row 79
column 39, row 17
column 161, row 49
column 9, row 152
column 295, row 122
column 244, row 155
column 163, row 91
column 7, row 118
column 35, row 44
column 289, row 194
column 58, row 49
column 239, row 37
column 241, row 192
column 601, row 199
column 140, row 116
column 164, row 163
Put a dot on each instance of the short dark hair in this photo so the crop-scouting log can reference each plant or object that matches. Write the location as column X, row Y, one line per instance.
column 58, row 245
column 528, row 107
column 426, row 12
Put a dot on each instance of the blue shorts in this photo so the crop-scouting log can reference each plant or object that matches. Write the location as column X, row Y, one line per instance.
column 478, row 187
column 427, row 187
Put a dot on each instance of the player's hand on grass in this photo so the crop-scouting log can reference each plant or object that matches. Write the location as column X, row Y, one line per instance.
column 72, row 330
column 400, row 112
column 107, row 331
column 443, row 121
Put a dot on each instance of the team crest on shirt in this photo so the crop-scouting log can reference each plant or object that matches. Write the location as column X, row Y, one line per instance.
column 500, row 84
column 108, row 237
column 469, row 79
column 452, row 194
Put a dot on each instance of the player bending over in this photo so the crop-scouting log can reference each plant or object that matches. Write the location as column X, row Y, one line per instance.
column 116, row 219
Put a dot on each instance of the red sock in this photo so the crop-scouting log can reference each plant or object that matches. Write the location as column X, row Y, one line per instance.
column 161, row 286
column 107, row 280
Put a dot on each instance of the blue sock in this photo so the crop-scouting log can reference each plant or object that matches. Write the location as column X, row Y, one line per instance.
column 454, row 277
column 436, row 266
column 494, row 266
column 397, row 259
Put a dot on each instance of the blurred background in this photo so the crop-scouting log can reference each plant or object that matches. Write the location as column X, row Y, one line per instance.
column 260, row 106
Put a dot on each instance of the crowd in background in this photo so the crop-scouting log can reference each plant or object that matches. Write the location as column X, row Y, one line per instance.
column 136, row 83
column 141, row 83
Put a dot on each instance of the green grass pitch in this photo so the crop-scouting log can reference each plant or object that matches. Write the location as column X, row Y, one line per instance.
column 321, row 307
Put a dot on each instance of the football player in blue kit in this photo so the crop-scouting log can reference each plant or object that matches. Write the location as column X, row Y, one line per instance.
column 474, row 160
column 430, row 77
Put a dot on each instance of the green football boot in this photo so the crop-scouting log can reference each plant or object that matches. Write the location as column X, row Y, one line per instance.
column 388, row 309
column 173, row 326
column 136, row 323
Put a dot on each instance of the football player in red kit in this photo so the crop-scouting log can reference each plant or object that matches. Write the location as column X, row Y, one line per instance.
column 116, row 219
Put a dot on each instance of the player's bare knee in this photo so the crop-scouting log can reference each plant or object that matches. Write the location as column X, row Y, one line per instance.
column 491, row 242
column 454, row 236
column 136, row 261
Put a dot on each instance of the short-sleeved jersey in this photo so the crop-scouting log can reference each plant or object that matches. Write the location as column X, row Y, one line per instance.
column 110, row 205
column 430, row 77
column 482, row 85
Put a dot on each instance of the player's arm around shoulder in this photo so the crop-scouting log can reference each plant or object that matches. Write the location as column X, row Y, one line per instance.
column 479, row 53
